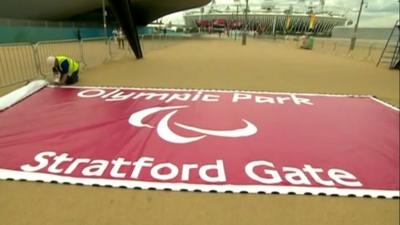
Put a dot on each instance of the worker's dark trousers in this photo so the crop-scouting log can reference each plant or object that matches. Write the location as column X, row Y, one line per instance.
column 73, row 78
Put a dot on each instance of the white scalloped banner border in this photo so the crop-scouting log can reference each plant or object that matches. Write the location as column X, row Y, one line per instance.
column 6, row 174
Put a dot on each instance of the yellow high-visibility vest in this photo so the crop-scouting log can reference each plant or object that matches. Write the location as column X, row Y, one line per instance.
column 73, row 65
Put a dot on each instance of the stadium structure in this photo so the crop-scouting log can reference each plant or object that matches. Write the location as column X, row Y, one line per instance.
column 269, row 17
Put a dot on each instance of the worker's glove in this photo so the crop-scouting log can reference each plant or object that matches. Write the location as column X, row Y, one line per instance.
column 57, row 77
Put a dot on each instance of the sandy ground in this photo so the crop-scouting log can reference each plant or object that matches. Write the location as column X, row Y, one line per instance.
column 213, row 64
column 261, row 65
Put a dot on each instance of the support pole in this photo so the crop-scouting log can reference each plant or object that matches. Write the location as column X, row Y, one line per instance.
column 201, row 18
column 122, row 9
column 354, row 38
column 104, row 19
column 237, row 19
column 244, row 37
column 274, row 27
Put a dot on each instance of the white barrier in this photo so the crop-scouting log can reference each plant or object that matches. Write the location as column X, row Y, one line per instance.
column 25, row 61
column 18, row 62
column 365, row 50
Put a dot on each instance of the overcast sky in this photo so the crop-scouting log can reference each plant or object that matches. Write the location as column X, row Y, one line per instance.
column 379, row 13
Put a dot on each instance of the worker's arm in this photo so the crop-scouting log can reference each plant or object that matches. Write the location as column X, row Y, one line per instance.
column 56, row 75
column 64, row 71
column 63, row 79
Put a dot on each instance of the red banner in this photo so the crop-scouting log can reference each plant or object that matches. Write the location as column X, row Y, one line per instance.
column 203, row 140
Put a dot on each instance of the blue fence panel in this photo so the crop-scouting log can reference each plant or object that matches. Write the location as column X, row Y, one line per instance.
column 35, row 34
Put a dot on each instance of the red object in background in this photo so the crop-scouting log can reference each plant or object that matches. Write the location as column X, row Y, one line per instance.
column 203, row 140
column 236, row 25
column 202, row 23
column 219, row 23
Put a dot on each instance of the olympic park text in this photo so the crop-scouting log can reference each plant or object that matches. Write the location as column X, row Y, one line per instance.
column 167, row 97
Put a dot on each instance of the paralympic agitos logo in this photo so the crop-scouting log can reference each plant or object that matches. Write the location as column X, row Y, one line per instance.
column 167, row 133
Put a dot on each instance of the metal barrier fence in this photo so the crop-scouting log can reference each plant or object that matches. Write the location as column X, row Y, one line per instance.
column 25, row 61
column 365, row 50
column 18, row 62
column 70, row 48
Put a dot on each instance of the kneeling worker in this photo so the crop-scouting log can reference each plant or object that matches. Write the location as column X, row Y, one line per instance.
column 65, row 70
